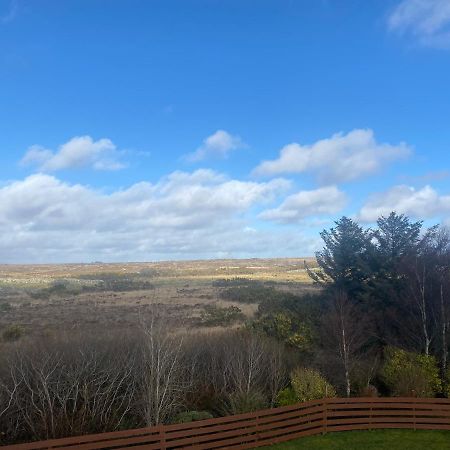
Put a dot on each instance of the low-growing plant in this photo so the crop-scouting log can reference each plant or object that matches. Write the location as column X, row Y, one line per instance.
column 286, row 397
column 12, row 333
column 192, row 416
column 286, row 328
column 309, row 384
column 446, row 384
column 243, row 402
column 214, row 315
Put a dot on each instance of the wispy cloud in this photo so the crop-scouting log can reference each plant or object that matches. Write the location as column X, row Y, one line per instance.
column 427, row 20
column 79, row 152
column 218, row 145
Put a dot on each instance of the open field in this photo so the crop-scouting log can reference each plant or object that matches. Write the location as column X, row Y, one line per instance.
column 44, row 298
column 372, row 440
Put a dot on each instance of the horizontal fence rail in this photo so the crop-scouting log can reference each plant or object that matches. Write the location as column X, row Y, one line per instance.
column 269, row 426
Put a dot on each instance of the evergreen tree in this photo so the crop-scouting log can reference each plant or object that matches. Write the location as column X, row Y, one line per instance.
column 344, row 261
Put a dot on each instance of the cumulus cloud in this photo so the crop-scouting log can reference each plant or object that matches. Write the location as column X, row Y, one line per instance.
column 420, row 203
column 295, row 208
column 218, row 145
column 428, row 20
column 79, row 152
column 184, row 214
column 343, row 157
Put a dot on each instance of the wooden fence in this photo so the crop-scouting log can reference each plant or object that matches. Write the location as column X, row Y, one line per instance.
column 270, row 426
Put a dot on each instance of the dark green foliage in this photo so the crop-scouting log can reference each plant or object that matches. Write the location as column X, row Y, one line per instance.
column 192, row 416
column 237, row 281
column 105, row 282
column 243, row 402
column 286, row 328
column 214, row 315
column 291, row 319
column 344, row 261
column 12, row 333
column 251, row 294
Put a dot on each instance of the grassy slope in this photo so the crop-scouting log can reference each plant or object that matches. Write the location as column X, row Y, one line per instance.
column 372, row 440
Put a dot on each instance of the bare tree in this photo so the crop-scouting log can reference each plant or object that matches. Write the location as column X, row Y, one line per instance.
column 346, row 332
column 165, row 376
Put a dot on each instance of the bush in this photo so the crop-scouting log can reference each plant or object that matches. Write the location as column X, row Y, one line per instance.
column 243, row 402
column 216, row 316
column 309, row 384
column 286, row 328
column 253, row 293
column 446, row 387
column 410, row 374
column 237, row 281
column 286, row 397
column 192, row 416
column 13, row 333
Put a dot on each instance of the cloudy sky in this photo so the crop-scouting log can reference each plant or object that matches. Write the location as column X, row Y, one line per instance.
column 175, row 129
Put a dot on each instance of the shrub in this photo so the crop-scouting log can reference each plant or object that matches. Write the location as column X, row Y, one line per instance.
column 214, row 315
column 406, row 373
column 286, row 397
column 253, row 293
column 12, row 333
column 446, row 384
column 309, row 384
column 192, row 416
column 243, row 402
column 286, row 328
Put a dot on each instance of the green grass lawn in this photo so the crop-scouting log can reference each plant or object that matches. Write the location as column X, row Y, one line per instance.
column 371, row 440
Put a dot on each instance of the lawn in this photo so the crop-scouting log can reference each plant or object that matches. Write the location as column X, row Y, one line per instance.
column 371, row 440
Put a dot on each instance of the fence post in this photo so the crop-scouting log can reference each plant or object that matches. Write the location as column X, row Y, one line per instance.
column 325, row 415
column 414, row 414
column 162, row 437
column 257, row 428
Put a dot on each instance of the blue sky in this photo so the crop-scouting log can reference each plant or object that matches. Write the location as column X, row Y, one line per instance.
column 162, row 129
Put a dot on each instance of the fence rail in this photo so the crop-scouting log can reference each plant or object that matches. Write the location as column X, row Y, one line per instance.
column 269, row 426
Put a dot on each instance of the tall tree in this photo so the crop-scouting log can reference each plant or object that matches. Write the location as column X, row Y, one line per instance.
column 396, row 240
column 344, row 264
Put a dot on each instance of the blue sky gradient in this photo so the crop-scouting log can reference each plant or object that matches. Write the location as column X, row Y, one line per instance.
column 154, row 79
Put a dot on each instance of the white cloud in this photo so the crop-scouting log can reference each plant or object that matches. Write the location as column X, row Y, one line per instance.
column 419, row 203
column 79, row 152
column 218, row 145
column 428, row 20
column 199, row 214
column 343, row 157
column 295, row 208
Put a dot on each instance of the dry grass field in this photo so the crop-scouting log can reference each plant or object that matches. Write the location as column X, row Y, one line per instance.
column 41, row 299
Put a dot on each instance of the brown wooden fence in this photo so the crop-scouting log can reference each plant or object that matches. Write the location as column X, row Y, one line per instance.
column 270, row 426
